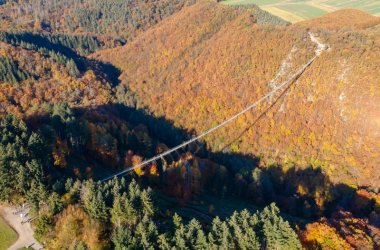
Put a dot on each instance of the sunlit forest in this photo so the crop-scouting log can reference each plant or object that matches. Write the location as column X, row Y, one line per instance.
column 90, row 88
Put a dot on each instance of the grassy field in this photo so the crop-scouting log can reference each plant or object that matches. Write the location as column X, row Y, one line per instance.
column 298, row 10
column 7, row 235
column 302, row 10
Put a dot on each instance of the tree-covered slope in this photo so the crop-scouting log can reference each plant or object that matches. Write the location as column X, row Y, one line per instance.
column 67, row 121
column 207, row 62
column 117, row 18
column 32, row 75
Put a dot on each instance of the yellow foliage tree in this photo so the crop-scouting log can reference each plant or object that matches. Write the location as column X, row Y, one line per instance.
column 74, row 225
column 320, row 235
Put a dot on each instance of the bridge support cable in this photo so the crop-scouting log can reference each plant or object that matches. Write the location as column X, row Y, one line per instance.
column 321, row 47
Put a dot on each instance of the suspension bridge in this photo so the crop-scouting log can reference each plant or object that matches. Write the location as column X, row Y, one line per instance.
column 318, row 51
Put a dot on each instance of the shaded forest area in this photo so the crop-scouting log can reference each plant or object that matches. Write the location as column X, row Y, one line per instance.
column 49, row 161
column 93, row 143
column 69, row 50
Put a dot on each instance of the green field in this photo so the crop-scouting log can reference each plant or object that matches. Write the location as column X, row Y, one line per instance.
column 370, row 6
column 302, row 10
column 258, row 2
column 298, row 10
column 7, row 235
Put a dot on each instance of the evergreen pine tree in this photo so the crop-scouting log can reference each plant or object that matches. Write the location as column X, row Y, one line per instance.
column 54, row 203
column 118, row 213
column 147, row 205
column 21, row 158
column 277, row 232
column 123, row 239
column 163, row 242
column 179, row 238
column 200, row 241
column 72, row 68
column 94, row 202
column 146, row 233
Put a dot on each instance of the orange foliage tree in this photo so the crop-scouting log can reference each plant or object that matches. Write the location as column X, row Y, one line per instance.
column 74, row 226
column 320, row 235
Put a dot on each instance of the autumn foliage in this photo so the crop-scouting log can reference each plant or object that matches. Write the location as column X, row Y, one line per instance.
column 49, row 83
column 219, row 60
column 322, row 236
column 70, row 118
column 341, row 231
column 74, row 226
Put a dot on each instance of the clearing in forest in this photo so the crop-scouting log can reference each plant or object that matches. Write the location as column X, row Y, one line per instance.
column 7, row 235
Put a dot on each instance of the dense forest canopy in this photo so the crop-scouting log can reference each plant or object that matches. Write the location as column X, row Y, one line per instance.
column 199, row 79
column 120, row 18
column 9, row 71
column 47, row 178
column 89, row 88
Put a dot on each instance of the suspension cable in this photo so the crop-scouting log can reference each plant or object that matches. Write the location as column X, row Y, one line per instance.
column 222, row 124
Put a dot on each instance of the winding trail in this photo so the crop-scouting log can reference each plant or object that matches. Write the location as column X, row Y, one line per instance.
column 24, row 231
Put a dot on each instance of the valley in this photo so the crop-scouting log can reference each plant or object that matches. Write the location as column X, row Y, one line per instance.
column 193, row 97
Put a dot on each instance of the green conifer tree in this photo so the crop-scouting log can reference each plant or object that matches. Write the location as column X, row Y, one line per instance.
column 277, row 233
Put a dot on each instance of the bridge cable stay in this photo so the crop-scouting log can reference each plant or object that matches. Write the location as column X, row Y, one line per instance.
column 224, row 123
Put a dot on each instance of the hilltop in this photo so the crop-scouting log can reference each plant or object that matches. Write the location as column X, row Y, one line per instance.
column 207, row 62
column 342, row 19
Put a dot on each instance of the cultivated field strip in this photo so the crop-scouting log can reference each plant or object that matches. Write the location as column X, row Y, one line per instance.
column 298, row 10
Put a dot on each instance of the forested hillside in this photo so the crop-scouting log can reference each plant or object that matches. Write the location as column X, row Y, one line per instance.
column 90, row 88
column 118, row 18
column 32, row 78
column 317, row 141
column 199, row 78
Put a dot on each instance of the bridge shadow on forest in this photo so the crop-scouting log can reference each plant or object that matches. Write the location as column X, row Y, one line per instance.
column 305, row 192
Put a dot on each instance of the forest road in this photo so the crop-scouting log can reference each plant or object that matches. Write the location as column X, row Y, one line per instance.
column 13, row 217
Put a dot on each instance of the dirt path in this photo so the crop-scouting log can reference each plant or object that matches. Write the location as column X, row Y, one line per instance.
column 24, row 231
